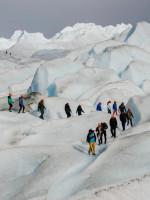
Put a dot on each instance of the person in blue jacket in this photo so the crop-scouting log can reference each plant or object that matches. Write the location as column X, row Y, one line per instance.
column 21, row 104
column 91, row 139
column 115, row 108
column 99, row 106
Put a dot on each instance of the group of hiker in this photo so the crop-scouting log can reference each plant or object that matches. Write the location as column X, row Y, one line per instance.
column 125, row 117
column 41, row 106
column 68, row 110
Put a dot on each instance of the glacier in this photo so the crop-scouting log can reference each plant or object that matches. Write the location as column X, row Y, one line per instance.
column 83, row 65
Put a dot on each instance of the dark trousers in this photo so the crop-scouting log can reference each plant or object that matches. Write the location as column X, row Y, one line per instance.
column 21, row 109
column 79, row 113
column 130, row 120
column 123, row 125
column 109, row 111
column 10, row 106
column 68, row 114
column 42, row 113
column 103, row 133
column 113, row 132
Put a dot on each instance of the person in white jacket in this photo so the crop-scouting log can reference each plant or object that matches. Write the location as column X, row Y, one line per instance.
column 109, row 106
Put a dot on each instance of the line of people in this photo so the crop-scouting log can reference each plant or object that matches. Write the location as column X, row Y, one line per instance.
column 68, row 110
column 125, row 117
column 21, row 104
column 41, row 106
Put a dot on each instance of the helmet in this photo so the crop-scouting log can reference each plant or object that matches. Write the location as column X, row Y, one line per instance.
column 129, row 108
column 22, row 96
column 99, row 124
column 100, row 102
column 115, row 101
column 90, row 129
column 42, row 100
column 112, row 116
column 123, row 102
column 10, row 94
column 109, row 101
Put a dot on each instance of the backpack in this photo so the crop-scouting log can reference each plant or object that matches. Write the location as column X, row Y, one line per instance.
column 88, row 138
column 104, row 126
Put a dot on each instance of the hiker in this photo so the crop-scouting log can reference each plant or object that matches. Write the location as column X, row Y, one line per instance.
column 98, row 130
column 91, row 139
column 129, row 116
column 123, row 119
column 103, row 132
column 68, row 110
column 113, row 126
column 109, row 107
column 41, row 108
column 99, row 106
column 21, row 104
column 122, row 108
column 115, row 108
column 79, row 110
column 10, row 102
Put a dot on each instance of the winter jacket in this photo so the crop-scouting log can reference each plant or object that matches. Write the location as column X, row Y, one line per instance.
column 99, row 107
column 108, row 106
column 129, row 114
column 67, row 108
column 91, row 137
column 115, row 106
column 21, row 102
column 122, row 108
column 41, row 106
column 123, row 117
column 113, row 122
column 10, row 101
column 79, row 110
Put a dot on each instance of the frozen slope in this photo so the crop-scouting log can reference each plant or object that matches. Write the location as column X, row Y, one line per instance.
column 74, row 85
column 46, row 74
column 139, row 35
column 119, row 57
column 137, row 71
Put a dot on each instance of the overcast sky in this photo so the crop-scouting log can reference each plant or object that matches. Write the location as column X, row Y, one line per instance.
column 50, row 16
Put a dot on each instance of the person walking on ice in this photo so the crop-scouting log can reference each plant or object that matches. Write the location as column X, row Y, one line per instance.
column 122, row 108
column 21, row 104
column 109, row 107
column 41, row 108
column 98, row 130
column 68, row 110
column 99, row 106
column 103, row 132
column 123, row 119
column 91, row 139
column 10, row 102
column 129, row 116
column 79, row 110
column 113, row 126
column 115, row 108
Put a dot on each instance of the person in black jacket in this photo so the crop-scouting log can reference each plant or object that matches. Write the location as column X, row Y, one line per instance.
column 103, row 132
column 123, row 119
column 113, row 125
column 68, row 110
column 98, row 131
column 122, row 108
column 41, row 108
column 79, row 110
